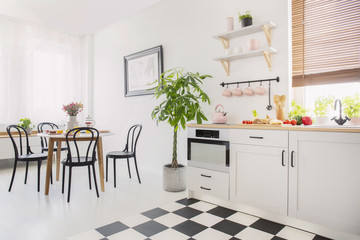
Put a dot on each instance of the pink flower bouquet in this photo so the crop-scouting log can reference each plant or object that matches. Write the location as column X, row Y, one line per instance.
column 73, row 108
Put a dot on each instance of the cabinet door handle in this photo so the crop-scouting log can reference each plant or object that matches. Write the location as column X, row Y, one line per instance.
column 203, row 175
column 292, row 159
column 282, row 158
column 208, row 189
column 256, row 137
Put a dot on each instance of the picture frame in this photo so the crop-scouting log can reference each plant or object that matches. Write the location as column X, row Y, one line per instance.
column 141, row 69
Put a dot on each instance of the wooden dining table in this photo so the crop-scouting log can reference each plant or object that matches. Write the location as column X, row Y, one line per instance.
column 58, row 139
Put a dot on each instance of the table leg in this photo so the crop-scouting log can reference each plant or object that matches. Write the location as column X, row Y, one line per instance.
column 101, row 163
column 58, row 156
column 49, row 165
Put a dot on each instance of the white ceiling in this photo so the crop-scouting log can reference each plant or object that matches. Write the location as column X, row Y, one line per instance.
column 74, row 16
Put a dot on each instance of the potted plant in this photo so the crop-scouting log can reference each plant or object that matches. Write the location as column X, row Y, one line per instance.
column 183, row 96
column 245, row 19
column 72, row 110
column 352, row 108
column 322, row 107
column 26, row 123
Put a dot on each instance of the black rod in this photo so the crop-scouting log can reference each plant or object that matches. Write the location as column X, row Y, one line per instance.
column 223, row 84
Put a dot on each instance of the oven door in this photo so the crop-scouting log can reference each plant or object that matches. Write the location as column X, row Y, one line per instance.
column 209, row 154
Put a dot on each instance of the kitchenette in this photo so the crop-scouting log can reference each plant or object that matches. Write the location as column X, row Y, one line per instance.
column 303, row 176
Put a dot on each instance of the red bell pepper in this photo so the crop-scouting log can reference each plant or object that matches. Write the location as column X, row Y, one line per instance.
column 306, row 120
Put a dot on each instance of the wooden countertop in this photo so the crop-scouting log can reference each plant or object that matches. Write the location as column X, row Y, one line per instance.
column 287, row 127
column 5, row 134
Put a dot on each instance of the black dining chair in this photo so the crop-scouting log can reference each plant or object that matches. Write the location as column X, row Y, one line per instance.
column 128, row 152
column 23, row 152
column 42, row 127
column 74, row 158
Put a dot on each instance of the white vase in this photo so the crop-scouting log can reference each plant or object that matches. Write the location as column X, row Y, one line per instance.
column 322, row 120
column 72, row 123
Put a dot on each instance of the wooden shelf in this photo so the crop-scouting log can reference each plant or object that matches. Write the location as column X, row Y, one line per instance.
column 266, row 52
column 226, row 36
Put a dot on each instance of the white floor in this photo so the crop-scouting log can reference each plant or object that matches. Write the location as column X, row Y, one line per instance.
column 27, row 214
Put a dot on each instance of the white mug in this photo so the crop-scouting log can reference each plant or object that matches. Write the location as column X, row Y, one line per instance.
column 228, row 51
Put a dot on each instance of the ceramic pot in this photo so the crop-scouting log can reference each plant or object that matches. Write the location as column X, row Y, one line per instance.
column 72, row 123
column 254, row 44
column 322, row 120
column 174, row 179
column 28, row 131
column 355, row 121
column 246, row 22
column 229, row 24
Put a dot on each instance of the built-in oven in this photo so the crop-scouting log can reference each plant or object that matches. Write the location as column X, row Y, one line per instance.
column 208, row 148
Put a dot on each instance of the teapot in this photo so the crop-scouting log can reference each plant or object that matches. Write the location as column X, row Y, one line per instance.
column 89, row 121
column 219, row 116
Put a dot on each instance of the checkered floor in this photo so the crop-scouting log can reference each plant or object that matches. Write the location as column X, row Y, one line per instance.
column 189, row 219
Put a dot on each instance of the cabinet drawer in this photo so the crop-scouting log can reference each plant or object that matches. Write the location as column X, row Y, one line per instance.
column 274, row 138
column 208, row 182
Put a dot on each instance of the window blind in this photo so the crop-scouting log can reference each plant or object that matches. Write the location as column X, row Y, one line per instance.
column 325, row 42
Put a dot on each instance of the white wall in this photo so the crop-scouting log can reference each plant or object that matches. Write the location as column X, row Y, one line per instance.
column 185, row 29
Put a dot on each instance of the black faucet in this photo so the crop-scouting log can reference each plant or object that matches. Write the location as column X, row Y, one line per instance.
column 339, row 120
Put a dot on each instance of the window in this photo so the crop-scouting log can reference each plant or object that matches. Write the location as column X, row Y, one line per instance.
column 326, row 42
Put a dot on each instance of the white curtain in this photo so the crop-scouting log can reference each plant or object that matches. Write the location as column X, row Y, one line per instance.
column 40, row 70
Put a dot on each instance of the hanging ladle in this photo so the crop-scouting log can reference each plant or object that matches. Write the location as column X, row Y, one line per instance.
column 269, row 107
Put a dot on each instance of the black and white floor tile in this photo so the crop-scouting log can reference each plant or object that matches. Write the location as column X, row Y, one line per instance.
column 189, row 219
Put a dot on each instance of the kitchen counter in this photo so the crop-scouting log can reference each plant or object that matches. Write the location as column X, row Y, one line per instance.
column 287, row 127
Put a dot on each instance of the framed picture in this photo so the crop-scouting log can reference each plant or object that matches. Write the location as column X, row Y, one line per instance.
column 141, row 70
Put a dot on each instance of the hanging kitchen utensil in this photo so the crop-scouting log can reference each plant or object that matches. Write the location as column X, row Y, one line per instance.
column 269, row 107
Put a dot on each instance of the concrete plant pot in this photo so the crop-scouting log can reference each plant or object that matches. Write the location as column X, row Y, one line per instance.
column 174, row 179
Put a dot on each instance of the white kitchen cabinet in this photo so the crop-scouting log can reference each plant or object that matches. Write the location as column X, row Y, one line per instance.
column 324, row 179
column 208, row 182
column 259, row 177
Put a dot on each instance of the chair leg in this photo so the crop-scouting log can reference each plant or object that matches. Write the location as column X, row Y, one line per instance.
column 69, row 188
column 107, row 166
column 63, row 180
column 97, row 191
column 89, row 176
column 39, row 167
column 137, row 171
column 51, row 181
column 13, row 175
column 114, row 172
column 128, row 167
column 26, row 171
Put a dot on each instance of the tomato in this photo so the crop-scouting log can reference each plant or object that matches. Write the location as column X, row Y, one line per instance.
column 243, row 122
column 287, row 122
column 293, row 122
column 306, row 120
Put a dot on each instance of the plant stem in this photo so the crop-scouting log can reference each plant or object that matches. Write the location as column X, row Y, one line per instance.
column 174, row 163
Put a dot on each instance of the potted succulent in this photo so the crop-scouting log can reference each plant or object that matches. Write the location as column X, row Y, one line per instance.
column 322, row 107
column 245, row 19
column 26, row 123
column 183, row 96
column 351, row 107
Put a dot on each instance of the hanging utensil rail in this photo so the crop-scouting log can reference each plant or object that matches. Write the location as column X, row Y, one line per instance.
column 223, row 84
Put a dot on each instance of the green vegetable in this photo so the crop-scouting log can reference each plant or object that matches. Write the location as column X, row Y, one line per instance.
column 297, row 110
column 25, row 123
column 246, row 15
column 298, row 119
column 183, row 96
column 351, row 105
column 323, row 105
column 255, row 114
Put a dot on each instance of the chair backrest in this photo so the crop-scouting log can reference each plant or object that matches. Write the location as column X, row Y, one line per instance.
column 132, row 138
column 15, row 130
column 92, row 137
column 42, row 127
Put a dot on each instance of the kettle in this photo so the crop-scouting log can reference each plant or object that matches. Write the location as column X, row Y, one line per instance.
column 219, row 116
column 89, row 121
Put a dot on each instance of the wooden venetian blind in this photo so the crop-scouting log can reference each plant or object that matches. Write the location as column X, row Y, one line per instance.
column 325, row 42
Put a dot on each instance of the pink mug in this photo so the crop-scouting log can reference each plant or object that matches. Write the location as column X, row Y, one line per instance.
column 260, row 90
column 237, row 91
column 226, row 92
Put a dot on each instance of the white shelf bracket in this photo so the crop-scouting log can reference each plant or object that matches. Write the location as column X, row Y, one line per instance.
column 226, row 66
column 267, row 57
column 224, row 42
column 267, row 32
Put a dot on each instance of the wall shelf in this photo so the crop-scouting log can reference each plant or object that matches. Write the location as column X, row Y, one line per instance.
column 226, row 36
column 266, row 52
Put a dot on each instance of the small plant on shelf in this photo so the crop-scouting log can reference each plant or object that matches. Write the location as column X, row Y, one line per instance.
column 351, row 106
column 26, row 124
column 245, row 19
